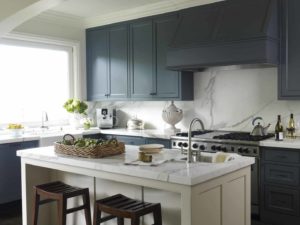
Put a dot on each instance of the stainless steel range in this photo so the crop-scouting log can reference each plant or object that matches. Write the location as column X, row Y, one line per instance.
column 234, row 142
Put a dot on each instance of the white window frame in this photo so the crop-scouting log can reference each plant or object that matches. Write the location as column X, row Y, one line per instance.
column 71, row 46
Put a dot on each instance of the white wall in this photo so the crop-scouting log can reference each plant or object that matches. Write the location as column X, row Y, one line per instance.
column 225, row 98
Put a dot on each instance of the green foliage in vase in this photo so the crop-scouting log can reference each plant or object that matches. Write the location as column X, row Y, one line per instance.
column 76, row 106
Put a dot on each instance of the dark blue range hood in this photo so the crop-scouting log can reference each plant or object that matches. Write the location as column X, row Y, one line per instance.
column 232, row 32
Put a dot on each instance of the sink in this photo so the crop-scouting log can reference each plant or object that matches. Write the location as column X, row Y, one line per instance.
column 219, row 157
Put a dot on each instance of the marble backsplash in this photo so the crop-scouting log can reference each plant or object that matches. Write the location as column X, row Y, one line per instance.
column 226, row 98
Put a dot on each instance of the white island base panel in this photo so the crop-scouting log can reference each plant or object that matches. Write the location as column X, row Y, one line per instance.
column 223, row 200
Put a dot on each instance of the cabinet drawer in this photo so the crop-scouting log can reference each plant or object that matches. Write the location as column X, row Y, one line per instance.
column 284, row 156
column 282, row 200
column 287, row 175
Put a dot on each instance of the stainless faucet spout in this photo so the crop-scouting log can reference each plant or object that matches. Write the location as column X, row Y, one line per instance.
column 44, row 119
column 189, row 152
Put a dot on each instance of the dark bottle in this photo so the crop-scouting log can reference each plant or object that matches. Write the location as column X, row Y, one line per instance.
column 278, row 130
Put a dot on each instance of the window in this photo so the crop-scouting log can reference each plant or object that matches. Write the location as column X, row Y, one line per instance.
column 34, row 77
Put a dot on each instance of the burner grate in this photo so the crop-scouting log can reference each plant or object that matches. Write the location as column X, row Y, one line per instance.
column 242, row 136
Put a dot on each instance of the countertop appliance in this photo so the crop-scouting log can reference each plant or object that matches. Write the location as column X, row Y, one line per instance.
column 242, row 143
column 105, row 117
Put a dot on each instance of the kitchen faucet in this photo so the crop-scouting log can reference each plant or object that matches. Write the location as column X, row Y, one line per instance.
column 44, row 119
column 189, row 151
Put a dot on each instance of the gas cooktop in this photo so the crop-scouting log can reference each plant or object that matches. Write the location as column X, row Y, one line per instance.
column 242, row 136
column 223, row 137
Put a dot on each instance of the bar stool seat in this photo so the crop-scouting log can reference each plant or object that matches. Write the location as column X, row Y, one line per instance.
column 120, row 207
column 60, row 192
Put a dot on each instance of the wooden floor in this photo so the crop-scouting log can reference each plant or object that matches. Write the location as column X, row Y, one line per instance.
column 11, row 214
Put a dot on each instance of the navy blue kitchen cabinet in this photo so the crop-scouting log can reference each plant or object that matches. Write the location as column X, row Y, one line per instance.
column 168, row 83
column 289, row 69
column 280, row 186
column 107, row 63
column 164, row 142
column 10, row 170
column 127, row 61
column 131, row 140
column 142, row 58
column 97, row 64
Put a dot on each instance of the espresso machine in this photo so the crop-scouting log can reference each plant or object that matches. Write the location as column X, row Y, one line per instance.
column 105, row 117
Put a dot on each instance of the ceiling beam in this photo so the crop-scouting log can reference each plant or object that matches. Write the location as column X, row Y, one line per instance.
column 15, row 12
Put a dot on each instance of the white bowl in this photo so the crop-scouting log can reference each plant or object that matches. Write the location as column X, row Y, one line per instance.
column 16, row 132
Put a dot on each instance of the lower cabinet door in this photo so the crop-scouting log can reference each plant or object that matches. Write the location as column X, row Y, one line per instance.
column 10, row 170
column 282, row 200
column 279, row 174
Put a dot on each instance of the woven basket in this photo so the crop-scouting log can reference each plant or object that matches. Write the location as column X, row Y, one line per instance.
column 99, row 151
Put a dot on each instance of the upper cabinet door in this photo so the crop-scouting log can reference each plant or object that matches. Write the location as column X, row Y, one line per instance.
column 118, row 62
column 97, row 64
column 142, row 59
column 289, row 69
column 167, row 81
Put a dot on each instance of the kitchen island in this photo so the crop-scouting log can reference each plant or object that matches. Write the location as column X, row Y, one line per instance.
column 190, row 194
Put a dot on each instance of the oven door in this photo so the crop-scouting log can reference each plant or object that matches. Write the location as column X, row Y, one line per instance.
column 255, row 187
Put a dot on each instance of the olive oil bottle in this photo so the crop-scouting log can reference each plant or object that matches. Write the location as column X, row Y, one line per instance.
column 279, row 129
column 291, row 127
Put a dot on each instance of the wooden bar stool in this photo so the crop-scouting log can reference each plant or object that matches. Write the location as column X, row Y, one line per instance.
column 60, row 192
column 120, row 207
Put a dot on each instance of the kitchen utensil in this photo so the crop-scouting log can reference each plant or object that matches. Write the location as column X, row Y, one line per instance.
column 135, row 124
column 258, row 129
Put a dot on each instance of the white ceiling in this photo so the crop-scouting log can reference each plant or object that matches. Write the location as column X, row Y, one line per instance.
column 92, row 13
column 92, row 8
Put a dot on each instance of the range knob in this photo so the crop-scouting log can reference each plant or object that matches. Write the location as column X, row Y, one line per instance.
column 213, row 147
column 185, row 145
column 179, row 144
column 224, row 149
column 202, row 147
column 246, row 150
column 218, row 148
column 240, row 150
column 195, row 145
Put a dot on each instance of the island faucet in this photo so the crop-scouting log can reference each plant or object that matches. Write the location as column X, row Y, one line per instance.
column 44, row 119
column 189, row 151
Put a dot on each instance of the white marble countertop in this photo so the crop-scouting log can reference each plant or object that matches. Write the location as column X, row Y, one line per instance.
column 286, row 143
column 178, row 172
column 147, row 133
column 32, row 135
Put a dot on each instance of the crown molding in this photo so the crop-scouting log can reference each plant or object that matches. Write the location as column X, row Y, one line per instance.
column 143, row 11
column 55, row 17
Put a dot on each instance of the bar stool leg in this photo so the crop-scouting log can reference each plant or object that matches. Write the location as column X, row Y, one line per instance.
column 157, row 215
column 135, row 221
column 97, row 215
column 62, row 214
column 120, row 221
column 35, row 207
column 87, row 209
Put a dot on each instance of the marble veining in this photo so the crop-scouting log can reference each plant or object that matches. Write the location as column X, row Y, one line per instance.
column 226, row 98
column 173, row 172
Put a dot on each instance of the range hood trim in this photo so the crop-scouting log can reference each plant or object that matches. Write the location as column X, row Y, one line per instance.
column 259, row 48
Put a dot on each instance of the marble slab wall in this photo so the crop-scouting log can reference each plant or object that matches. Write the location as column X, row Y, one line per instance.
column 226, row 98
